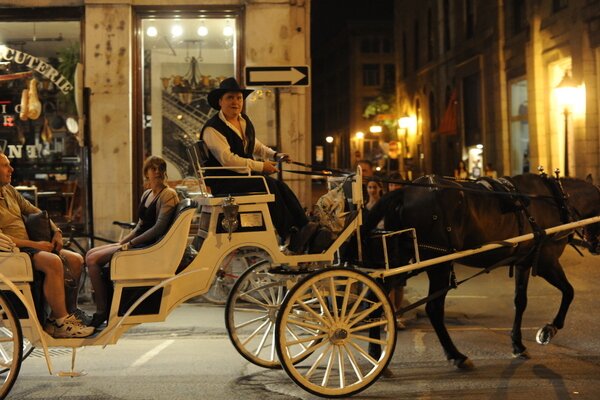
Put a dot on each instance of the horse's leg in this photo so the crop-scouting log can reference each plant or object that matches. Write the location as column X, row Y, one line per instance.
column 554, row 274
column 439, row 278
column 521, row 283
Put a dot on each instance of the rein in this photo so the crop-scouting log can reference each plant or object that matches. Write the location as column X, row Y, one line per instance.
column 318, row 170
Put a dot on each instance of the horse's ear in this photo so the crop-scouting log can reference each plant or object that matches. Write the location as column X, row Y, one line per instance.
column 589, row 179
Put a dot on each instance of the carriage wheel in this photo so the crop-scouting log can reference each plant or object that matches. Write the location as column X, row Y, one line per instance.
column 27, row 348
column 347, row 322
column 251, row 313
column 11, row 346
column 230, row 270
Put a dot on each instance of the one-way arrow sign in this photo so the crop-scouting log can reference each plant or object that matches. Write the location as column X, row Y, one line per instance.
column 277, row 76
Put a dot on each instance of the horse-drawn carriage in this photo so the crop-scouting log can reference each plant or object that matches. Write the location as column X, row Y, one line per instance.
column 324, row 318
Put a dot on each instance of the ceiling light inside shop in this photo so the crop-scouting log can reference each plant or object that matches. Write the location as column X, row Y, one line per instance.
column 176, row 31
column 152, row 31
column 228, row 30
column 202, row 30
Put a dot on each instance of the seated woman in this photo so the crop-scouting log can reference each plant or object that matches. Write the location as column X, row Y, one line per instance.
column 155, row 213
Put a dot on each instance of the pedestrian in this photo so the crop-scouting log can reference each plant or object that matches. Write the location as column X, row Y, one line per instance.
column 490, row 171
column 460, row 172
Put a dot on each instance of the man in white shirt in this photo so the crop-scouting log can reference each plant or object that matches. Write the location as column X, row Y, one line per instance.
column 230, row 138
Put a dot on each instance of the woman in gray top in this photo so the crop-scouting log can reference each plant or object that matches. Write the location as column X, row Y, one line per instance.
column 154, row 216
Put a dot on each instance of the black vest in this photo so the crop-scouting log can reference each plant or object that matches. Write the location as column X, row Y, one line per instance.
column 236, row 143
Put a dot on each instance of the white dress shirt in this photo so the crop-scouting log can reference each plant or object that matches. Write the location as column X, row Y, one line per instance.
column 219, row 147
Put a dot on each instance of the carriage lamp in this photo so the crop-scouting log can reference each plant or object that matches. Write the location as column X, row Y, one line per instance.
column 230, row 214
column 566, row 93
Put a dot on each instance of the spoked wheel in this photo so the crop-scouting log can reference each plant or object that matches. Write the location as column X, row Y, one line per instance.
column 252, row 310
column 348, row 323
column 27, row 348
column 11, row 346
column 230, row 270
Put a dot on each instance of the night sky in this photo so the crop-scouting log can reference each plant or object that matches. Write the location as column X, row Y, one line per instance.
column 329, row 16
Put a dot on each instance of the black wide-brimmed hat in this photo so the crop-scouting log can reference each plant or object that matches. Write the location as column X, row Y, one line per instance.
column 227, row 85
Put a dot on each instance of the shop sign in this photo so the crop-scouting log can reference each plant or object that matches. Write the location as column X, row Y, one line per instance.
column 35, row 64
column 16, row 150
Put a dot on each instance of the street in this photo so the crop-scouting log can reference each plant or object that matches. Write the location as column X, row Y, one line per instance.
column 190, row 357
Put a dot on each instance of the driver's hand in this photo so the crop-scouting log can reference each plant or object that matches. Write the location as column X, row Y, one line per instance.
column 269, row 167
column 283, row 157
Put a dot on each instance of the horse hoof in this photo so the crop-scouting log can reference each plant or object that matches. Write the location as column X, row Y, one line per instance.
column 464, row 364
column 523, row 355
column 545, row 334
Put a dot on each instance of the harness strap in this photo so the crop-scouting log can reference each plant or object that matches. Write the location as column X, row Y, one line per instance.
column 539, row 235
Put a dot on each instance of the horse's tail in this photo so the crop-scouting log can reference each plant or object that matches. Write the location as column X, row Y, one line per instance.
column 380, row 210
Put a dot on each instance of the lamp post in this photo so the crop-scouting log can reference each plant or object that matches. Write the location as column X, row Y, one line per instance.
column 359, row 137
column 405, row 123
column 331, row 152
column 565, row 92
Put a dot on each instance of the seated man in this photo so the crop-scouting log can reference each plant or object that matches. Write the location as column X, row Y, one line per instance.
column 45, row 256
column 230, row 138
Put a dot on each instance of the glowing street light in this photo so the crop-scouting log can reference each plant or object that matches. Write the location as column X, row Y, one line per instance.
column 375, row 129
column 566, row 93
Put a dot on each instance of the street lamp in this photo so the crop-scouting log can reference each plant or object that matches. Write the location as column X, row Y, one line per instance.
column 566, row 93
column 375, row 129
column 331, row 153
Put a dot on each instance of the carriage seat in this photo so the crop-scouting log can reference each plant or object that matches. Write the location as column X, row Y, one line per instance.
column 16, row 266
column 161, row 259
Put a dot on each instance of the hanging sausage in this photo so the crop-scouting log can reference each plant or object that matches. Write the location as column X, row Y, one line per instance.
column 24, row 105
column 35, row 106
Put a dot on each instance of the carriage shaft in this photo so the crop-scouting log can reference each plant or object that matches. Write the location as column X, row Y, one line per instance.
column 486, row 247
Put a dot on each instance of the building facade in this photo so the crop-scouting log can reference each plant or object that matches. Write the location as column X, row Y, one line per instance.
column 118, row 80
column 484, row 82
column 352, row 69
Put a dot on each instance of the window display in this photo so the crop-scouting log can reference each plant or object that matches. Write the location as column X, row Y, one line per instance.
column 38, row 64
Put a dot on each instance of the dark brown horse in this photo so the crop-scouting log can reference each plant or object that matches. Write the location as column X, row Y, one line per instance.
column 451, row 216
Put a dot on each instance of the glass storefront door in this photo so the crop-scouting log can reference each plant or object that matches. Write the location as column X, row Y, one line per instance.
column 183, row 59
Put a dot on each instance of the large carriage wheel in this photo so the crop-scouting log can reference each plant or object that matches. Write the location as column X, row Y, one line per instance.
column 232, row 267
column 27, row 348
column 348, row 322
column 251, row 312
column 11, row 346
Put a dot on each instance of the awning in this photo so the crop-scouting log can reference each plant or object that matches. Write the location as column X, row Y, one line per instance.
column 449, row 125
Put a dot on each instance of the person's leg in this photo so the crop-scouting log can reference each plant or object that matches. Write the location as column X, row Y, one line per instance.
column 287, row 198
column 54, row 286
column 75, row 263
column 95, row 259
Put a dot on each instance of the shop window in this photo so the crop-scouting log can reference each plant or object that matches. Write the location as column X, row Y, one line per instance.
column 472, row 109
column 371, row 75
column 519, row 128
column 183, row 60
column 41, row 110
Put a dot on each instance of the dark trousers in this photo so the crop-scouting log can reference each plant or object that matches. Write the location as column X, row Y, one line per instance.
column 286, row 211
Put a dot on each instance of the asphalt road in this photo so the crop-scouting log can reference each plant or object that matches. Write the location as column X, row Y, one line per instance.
column 190, row 357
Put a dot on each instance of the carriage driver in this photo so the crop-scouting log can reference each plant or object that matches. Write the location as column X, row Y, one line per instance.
column 44, row 256
column 230, row 137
